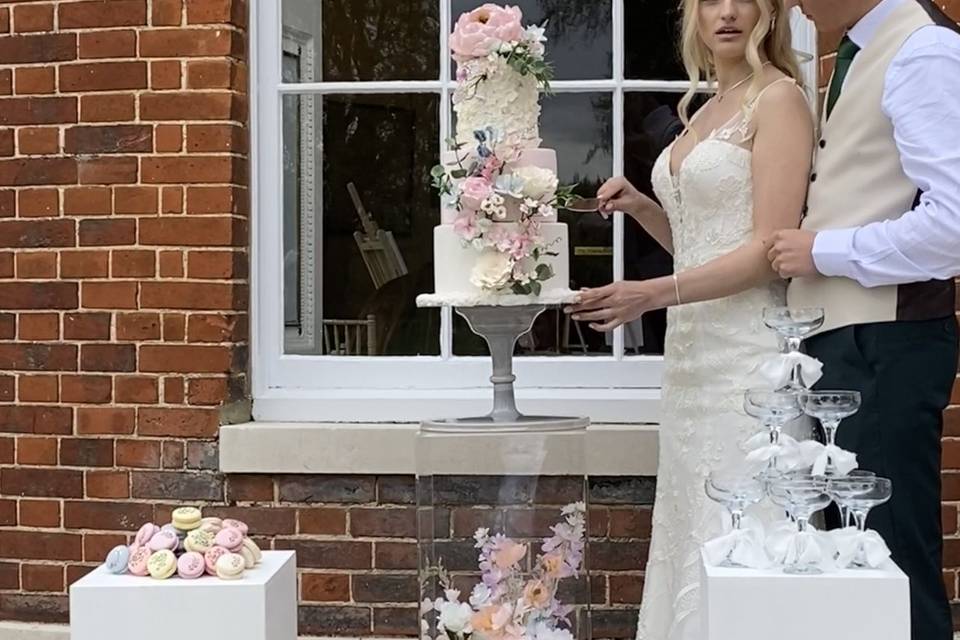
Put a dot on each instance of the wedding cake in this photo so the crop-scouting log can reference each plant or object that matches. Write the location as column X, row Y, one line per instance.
column 499, row 241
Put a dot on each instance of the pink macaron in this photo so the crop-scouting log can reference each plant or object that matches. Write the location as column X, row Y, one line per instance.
column 236, row 524
column 210, row 558
column 163, row 540
column 146, row 532
column 137, row 565
column 191, row 565
column 229, row 538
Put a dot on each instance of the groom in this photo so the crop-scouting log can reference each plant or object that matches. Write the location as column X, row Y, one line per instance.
column 878, row 249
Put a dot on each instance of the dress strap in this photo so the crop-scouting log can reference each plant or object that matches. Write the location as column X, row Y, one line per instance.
column 746, row 131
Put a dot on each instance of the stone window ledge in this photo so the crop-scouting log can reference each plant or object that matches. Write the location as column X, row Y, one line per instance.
column 340, row 448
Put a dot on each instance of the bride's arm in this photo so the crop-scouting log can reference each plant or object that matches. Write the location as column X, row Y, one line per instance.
column 782, row 156
column 617, row 194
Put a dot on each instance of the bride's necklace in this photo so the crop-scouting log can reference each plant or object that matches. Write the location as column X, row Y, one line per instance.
column 721, row 94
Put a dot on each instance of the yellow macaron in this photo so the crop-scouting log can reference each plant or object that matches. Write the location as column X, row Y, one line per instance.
column 162, row 564
column 186, row 518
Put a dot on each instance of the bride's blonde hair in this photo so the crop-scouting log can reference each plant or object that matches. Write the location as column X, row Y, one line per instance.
column 775, row 42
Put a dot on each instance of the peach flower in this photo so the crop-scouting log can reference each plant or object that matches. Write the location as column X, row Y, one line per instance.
column 536, row 595
column 508, row 553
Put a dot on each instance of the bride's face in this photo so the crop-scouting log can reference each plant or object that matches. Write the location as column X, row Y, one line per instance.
column 725, row 26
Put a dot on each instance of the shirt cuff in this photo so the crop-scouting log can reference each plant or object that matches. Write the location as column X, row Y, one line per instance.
column 832, row 250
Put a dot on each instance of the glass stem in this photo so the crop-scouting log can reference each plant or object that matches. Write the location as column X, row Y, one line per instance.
column 830, row 429
column 736, row 517
column 860, row 516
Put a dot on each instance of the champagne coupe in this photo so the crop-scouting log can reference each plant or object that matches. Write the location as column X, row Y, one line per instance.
column 735, row 490
column 861, row 505
column 773, row 409
column 792, row 326
column 830, row 407
column 846, row 488
column 803, row 497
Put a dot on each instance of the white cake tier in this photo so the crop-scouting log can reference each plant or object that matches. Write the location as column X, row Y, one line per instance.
column 506, row 100
column 543, row 158
column 454, row 262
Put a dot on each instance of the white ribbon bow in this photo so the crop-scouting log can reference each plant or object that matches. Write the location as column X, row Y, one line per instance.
column 779, row 369
column 744, row 546
column 852, row 545
column 797, row 547
column 762, row 450
column 843, row 461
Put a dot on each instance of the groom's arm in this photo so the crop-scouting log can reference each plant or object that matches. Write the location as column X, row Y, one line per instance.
column 922, row 99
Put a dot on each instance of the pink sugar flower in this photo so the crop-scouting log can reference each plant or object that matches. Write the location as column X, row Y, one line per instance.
column 481, row 31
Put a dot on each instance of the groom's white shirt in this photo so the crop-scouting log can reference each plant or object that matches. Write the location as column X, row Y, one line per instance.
column 921, row 96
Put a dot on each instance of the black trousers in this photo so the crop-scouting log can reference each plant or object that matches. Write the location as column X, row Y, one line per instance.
column 905, row 372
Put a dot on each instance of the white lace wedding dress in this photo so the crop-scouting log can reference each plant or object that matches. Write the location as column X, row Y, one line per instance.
column 712, row 352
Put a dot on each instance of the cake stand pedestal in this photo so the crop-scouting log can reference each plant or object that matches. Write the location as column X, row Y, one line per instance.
column 501, row 327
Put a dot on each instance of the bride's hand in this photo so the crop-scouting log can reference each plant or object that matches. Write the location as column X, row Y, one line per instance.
column 617, row 194
column 618, row 303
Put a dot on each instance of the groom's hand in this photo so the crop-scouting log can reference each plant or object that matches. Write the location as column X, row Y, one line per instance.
column 792, row 253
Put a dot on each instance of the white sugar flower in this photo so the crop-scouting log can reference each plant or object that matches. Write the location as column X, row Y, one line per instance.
column 455, row 617
column 481, row 595
column 491, row 271
column 538, row 183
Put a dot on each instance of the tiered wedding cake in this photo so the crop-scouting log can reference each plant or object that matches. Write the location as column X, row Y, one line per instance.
column 499, row 242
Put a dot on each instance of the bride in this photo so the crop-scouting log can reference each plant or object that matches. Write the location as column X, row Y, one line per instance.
column 736, row 174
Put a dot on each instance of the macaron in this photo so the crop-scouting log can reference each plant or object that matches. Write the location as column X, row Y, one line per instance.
column 191, row 565
column 186, row 518
column 163, row 540
column 229, row 538
column 162, row 564
column 236, row 524
column 249, row 561
column 146, row 532
column 199, row 540
column 117, row 559
column 210, row 558
column 137, row 565
column 257, row 554
column 169, row 527
column 211, row 524
column 230, row 566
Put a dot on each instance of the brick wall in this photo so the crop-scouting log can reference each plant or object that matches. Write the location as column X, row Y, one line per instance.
column 123, row 274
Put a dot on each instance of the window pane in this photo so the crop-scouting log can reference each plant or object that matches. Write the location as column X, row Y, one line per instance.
column 578, row 33
column 367, row 39
column 578, row 127
column 651, row 34
column 372, row 255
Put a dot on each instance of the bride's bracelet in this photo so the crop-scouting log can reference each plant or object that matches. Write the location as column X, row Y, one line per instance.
column 676, row 287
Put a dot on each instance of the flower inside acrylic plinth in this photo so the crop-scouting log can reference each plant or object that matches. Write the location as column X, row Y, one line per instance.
column 517, row 595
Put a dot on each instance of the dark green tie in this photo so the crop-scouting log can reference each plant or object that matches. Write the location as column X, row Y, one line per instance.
column 846, row 52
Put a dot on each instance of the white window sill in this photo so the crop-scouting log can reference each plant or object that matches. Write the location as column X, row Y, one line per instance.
column 340, row 448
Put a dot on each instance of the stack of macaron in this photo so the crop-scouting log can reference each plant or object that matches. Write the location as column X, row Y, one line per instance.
column 189, row 546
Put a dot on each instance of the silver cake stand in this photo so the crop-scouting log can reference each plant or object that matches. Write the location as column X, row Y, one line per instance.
column 501, row 325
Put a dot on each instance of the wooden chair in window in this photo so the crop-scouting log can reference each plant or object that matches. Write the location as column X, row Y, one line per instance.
column 350, row 337
column 377, row 246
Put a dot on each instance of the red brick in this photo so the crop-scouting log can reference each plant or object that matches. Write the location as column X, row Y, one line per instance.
column 182, row 43
column 193, row 105
column 121, row 43
column 86, row 389
column 103, row 76
column 42, row 483
column 167, row 13
column 38, row 357
column 107, row 170
column 84, row 264
column 133, row 263
column 172, row 455
column 178, row 423
column 6, row 82
column 171, row 264
column 34, row 203
column 103, row 232
column 40, row 513
column 101, row 139
column 8, row 516
column 323, row 520
column 39, row 326
column 630, row 523
column 206, row 391
column 35, row 545
column 165, row 74
column 174, row 327
column 109, row 295
column 86, row 201
column 35, row 17
column 39, row 171
column 39, row 295
column 213, row 74
column 948, row 518
column 192, row 295
column 86, row 326
column 36, row 419
column 34, row 49
column 169, row 138
column 9, row 571
column 103, row 13
column 108, row 357
column 249, row 488
column 171, row 200
column 173, row 392
column 185, row 359
column 42, row 451
column 6, row 451
column 216, row 328
column 34, row 80
column 142, row 454
column 37, row 233
column 323, row 587
column 192, row 169
column 107, row 108
column 196, row 232
column 138, row 200
column 217, row 11
column 37, row 264
column 42, row 577
column 77, row 571
column 6, row 142
column 37, row 388
column 138, row 326
column 8, row 203
column 86, row 452
column 6, row 264
column 104, row 420
column 4, row 27
column 626, row 589
column 217, row 137
column 110, row 516
column 107, row 484
column 136, row 389
column 38, row 140
column 96, row 546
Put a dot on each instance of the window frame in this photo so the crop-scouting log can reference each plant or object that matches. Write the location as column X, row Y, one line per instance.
column 311, row 388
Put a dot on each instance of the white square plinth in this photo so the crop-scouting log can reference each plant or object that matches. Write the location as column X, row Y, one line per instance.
column 746, row 604
column 262, row 605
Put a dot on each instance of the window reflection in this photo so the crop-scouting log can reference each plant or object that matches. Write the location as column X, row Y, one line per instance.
column 651, row 33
